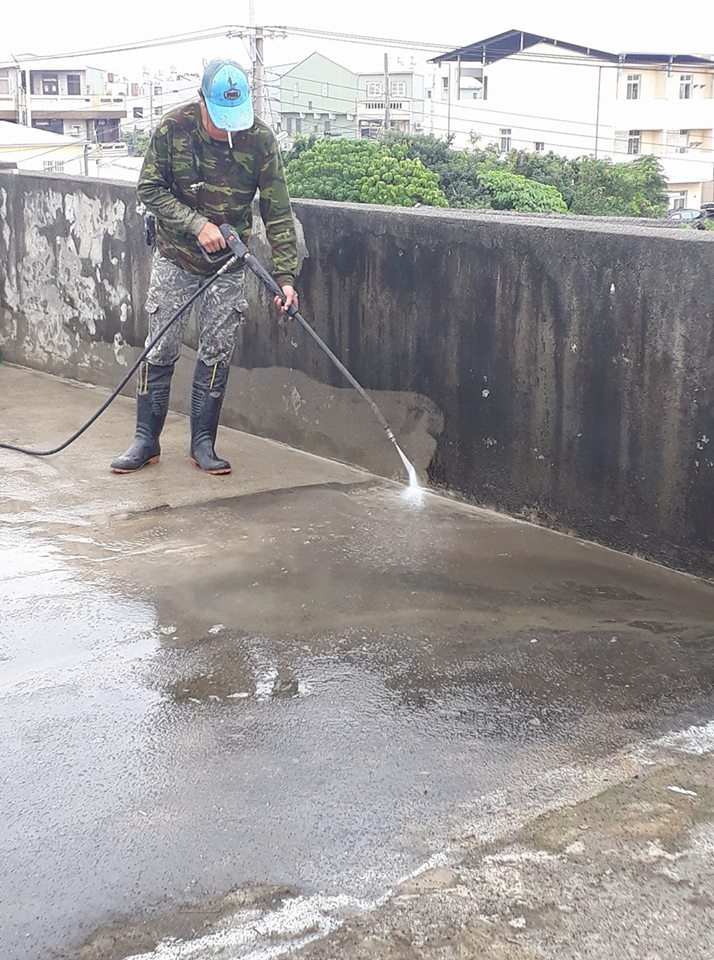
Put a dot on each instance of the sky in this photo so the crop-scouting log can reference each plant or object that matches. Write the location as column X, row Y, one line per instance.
column 614, row 25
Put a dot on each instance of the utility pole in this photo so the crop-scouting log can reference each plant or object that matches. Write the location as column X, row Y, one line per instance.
column 259, row 75
column 28, row 97
column 597, row 111
column 251, row 24
column 448, row 103
column 386, row 94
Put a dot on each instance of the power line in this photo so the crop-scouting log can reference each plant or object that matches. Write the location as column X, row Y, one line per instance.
column 166, row 41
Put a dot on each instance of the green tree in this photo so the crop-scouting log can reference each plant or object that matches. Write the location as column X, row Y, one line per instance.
column 548, row 168
column 635, row 189
column 300, row 145
column 511, row 191
column 137, row 141
column 362, row 171
column 457, row 170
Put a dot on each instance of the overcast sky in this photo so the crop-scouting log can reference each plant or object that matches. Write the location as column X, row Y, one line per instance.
column 615, row 25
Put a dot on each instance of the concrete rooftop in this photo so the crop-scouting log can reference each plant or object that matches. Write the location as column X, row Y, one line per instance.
column 289, row 710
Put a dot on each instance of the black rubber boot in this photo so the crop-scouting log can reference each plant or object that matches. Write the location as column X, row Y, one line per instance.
column 209, row 387
column 152, row 404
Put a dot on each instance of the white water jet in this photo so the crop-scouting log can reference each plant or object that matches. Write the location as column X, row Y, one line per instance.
column 413, row 491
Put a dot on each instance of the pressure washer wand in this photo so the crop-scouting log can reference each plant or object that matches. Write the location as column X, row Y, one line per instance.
column 240, row 251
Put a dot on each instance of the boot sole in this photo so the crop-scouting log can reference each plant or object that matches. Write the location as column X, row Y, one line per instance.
column 215, row 473
column 135, row 469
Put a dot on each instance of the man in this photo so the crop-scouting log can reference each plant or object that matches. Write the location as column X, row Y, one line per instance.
column 204, row 164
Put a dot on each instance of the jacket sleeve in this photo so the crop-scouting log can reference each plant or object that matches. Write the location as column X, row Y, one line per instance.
column 154, row 187
column 277, row 215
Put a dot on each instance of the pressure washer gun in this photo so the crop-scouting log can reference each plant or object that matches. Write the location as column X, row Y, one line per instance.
column 236, row 250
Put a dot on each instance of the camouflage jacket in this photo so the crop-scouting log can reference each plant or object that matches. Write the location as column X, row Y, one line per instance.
column 189, row 179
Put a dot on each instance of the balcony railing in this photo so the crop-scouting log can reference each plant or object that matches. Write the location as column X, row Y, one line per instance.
column 91, row 103
column 379, row 105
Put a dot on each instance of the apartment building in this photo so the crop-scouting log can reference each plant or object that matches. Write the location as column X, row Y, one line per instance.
column 523, row 91
column 406, row 103
column 62, row 97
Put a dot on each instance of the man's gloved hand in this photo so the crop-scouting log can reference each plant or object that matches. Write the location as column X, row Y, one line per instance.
column 211, row 238
column 291, row 298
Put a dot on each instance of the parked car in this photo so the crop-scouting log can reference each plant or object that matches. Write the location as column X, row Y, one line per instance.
column 683, row 215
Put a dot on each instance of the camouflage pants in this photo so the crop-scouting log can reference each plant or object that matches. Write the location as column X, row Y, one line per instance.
column 220, row 310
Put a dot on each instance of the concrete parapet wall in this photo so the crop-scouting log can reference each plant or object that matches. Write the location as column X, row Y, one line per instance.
column 557, row 369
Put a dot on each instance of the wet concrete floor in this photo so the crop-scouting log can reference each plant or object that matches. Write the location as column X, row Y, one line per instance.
column 245, row 709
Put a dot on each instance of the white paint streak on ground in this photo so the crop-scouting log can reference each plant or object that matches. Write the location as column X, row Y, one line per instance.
column 696, row 739
column 686, row 793
column 296, row 922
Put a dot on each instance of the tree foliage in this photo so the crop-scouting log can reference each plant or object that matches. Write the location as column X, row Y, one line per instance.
column 511, row 191
column 586, row 185
column 137, row 141
column 598, row 187
column 362, row 171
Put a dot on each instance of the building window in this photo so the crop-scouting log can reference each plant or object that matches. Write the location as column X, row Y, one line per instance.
column 53, row 166
column 633, row 86
column 685, row 86
column 325, row 89
column 679, row 200
column 328, row 128
column 444, row 84
column 398, row 88
column 505, row 139
column 138, row 113
column 540, row 146
column 157, row 90
column 678, row 141
column 74, row 84
column 375, row 88
column 633, row 141
column 4, row 84
column 76, row 130
column 157, row 111
column 50, row 85
column 52, row 126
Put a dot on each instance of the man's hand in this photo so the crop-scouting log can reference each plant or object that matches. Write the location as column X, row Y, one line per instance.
column 211, row 238
column 291, row 298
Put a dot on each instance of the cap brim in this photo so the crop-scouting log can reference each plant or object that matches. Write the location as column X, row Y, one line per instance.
column 231, row 118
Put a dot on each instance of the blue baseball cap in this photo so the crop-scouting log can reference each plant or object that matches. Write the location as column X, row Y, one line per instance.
column 227, row 95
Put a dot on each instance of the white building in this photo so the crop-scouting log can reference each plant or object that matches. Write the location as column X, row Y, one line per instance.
column 150, row 96
column 406, row 103
column 64, row 98
column 31, row 149
column 526, row 92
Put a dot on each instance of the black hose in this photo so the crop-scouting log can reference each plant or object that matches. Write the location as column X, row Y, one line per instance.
column 132, row 370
